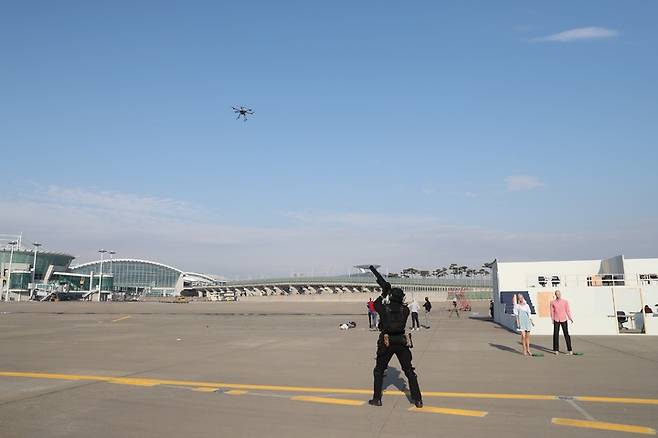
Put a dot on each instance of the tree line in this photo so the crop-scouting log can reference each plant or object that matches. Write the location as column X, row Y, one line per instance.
column 455, row 270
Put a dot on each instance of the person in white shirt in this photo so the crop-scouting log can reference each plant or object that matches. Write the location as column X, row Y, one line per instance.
column 523, row 322
column 414, row 307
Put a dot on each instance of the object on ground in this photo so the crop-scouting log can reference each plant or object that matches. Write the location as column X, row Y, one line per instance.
column 347, row 325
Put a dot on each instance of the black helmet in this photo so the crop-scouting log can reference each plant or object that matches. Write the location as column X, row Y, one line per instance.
column 397, row 295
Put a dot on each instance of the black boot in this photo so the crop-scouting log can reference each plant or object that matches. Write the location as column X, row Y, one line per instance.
column 375, row 402
column 418, row 403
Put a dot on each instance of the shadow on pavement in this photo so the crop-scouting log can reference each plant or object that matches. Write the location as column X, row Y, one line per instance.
column 540, row 348
column 397, row 378
column 504, row 348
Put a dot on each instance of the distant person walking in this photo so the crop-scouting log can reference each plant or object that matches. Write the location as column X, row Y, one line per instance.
column 372, row 314
column 560, row 312
column 427, row 306
column 491, row 308
column 414, row 307
column 454, row 310
column 523, row 323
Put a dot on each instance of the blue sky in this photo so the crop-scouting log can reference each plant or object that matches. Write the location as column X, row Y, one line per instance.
column 405, row 134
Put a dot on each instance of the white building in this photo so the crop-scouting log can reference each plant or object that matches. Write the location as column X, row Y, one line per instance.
column 606, row 297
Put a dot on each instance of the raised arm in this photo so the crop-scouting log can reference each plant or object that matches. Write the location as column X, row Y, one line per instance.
column 385, row 285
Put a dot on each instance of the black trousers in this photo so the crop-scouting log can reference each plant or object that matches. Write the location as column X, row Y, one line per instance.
column 414, row 320
column 384, row 355
column 556, row 335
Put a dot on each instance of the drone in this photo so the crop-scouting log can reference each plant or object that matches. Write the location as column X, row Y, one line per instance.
column 243, row 112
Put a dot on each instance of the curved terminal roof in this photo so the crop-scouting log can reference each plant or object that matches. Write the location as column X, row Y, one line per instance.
column 148, row 262
column 202, row 276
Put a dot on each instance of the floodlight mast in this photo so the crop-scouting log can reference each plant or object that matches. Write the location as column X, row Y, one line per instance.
column 34, row 269
column 11, row 259
column 100, row 279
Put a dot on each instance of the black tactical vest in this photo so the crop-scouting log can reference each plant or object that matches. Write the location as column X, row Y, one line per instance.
column 392, row 319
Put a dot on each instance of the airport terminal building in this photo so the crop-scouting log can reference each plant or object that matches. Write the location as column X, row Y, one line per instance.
column 42, row 275
column 45, row 275
column 144, row 277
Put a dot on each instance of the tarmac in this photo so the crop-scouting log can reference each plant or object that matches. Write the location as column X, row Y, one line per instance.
column 81, row 369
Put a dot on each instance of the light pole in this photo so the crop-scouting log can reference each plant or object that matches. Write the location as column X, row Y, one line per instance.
column 112, row 268
column 11, row 259
column 100, row 279
column 111, row 253
column 34, row 269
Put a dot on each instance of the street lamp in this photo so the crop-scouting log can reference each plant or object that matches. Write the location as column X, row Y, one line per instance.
column 34, row 269
column 100, row 279
column 111, row 253
column 112, row 267
column 11, row 259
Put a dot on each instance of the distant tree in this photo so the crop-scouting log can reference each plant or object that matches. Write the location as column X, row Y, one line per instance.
column 424, row 274
column 440, row 272
column 409, row 272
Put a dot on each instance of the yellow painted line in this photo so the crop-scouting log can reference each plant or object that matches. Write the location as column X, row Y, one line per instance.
column 122, row 318
column 329, row 401
column 205, row 389
column 236, row 392
column 55, row 376
column 310, row 389
column 448, row 411
column 624, row 400
column 134, row 382
column 487, row 395
column 600, row 425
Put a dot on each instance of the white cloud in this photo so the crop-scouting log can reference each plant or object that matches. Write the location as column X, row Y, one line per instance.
column 80, row 221
column 127, row 203
column 580, row 34
column 517, row 183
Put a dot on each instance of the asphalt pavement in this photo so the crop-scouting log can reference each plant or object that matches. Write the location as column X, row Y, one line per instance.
column 84, row 369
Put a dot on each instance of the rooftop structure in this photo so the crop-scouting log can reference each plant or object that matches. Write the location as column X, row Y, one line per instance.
column 607, row 297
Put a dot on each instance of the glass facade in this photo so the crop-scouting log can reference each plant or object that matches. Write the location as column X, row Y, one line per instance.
column 21, row 266
column 135, row 275
column 78, row 282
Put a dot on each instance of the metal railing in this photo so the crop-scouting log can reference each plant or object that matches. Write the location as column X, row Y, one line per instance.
column 556, row 280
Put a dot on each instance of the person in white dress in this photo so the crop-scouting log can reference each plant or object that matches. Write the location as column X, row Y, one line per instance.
column 523, row 322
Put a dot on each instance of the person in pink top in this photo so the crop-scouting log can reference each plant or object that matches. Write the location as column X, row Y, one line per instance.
column 560, row 312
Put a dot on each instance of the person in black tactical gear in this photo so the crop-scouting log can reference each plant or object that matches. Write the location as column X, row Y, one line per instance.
column 392, row 340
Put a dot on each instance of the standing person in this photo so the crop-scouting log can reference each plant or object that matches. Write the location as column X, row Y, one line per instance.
column 392, row 341
column 491, row 307
column 523, row 323
column 428, row 306
column 372, row 315
column 414, row 307
column 560, row 312
column 454, row 309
